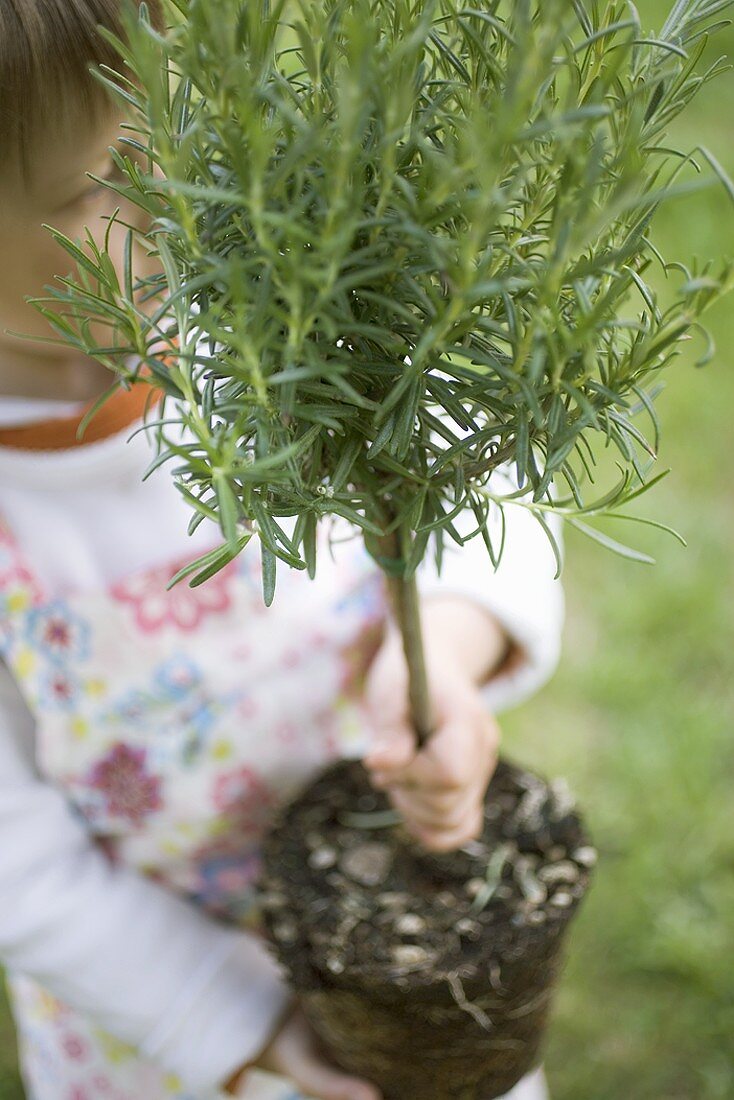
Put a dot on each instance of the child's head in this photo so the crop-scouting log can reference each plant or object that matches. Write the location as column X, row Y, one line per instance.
column 56, row 123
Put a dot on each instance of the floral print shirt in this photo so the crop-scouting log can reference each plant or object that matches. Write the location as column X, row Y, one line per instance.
column 168, row 726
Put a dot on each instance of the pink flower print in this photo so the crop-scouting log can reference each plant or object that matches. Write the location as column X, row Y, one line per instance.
column 247, row 707
column 74, row 1047
column 132, row 709
column 182, row 607
column 78, row 1093
column 18, row 589
column 57, row 632
column 12, row 572
column 243, row 797
column 292, row 658
column 58, row 688
column 177, row 676
column 129, row 791
column 287, row 732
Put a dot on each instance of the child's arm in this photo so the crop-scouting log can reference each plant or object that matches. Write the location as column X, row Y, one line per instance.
column 148, row 967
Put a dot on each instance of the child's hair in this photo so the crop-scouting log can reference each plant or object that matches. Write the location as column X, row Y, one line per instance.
column 46, row 49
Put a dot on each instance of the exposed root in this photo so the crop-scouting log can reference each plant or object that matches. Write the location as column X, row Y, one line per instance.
column 457, row 992
column 530, row 1005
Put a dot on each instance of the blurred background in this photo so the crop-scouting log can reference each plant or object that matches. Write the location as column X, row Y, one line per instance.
column 639, row 718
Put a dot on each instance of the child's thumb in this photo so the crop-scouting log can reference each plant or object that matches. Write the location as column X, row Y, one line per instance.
column 320, row 1080
column 390, row 747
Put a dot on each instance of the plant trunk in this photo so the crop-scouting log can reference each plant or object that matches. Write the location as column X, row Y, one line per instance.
column 405, row 603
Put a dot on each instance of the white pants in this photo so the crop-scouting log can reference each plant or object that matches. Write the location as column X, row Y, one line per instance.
column 532, row 1087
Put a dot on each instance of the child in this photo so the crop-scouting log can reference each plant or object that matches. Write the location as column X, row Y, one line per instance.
column 146, row 737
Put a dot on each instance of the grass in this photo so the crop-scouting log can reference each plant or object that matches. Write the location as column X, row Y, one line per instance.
column 638, row 717
column 10, row 1086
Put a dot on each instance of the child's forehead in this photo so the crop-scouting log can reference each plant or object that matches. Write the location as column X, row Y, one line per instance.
column 58, row 159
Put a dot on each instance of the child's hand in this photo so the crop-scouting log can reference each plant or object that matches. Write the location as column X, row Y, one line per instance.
column 294, row 1052
column 439, row 790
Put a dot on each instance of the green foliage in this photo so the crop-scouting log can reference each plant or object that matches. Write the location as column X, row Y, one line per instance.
column 401, row 245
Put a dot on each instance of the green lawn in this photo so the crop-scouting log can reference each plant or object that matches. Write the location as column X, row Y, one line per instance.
column 10, row 1088
column 639, row 717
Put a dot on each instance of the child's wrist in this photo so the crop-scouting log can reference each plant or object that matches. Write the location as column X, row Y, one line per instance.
column 460, row 630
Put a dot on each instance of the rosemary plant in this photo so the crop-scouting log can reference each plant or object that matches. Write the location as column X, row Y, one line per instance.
column 402, row 243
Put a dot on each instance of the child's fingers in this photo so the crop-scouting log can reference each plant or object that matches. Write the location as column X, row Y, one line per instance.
column 454, row 755
column 441, row 805
column 449, row 839
column 434, row 812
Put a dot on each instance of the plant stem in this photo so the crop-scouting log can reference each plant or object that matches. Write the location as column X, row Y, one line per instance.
column 406, row 610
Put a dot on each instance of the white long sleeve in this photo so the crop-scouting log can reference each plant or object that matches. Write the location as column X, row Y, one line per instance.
column 154, row 971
